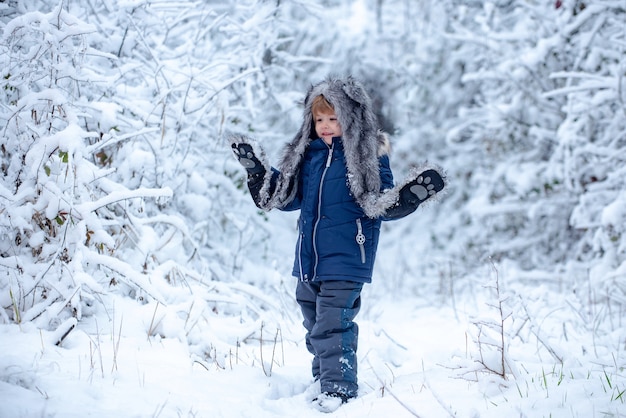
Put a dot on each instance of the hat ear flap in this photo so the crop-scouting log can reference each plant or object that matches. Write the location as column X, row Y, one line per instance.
column 354, row 90
column 307, row 96
column 308, row 117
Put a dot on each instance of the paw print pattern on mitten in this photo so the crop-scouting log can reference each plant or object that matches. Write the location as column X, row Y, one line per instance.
column 244, row 154
column 427, row 184
column 423, row 188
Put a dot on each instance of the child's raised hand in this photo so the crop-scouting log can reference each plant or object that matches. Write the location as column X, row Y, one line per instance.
column 426, row 185
column 245, row 155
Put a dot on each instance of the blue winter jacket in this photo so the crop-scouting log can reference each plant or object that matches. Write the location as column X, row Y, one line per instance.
column 336, row 240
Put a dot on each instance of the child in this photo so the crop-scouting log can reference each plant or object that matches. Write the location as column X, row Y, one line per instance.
column 336, row 172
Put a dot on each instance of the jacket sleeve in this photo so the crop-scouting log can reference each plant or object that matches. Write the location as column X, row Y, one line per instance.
column 296, row 203
column 256, row 183
column 400, row 209
column 386, row 176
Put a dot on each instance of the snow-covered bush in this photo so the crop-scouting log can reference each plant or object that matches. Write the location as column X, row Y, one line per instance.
column 116, row 178
column 64, row 221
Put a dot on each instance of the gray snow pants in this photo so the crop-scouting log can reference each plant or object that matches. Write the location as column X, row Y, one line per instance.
column 329, row 309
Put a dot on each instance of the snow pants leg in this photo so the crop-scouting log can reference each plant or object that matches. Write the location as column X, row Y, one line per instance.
column 329, row 309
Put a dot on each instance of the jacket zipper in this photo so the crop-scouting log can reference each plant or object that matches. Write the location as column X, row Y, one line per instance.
column 303, row 276
column 360, row 239
column 319, row 208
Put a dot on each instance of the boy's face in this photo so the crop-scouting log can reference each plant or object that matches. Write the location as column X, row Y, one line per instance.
column 327, row 126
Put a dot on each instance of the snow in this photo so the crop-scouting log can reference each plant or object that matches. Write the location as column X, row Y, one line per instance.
column 614, row 214
column 138, row 279
column 111, row 366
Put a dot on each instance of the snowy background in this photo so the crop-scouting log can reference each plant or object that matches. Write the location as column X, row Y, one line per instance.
column 137, row 279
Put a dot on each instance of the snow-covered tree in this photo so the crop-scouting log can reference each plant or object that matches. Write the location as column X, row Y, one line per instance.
column 544, row 132
column 117, row 179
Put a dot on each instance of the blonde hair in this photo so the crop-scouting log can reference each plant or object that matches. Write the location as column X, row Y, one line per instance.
column 321, row 106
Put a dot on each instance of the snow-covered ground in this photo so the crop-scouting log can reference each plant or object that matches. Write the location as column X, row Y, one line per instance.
column 415, row 360
column 126, row 236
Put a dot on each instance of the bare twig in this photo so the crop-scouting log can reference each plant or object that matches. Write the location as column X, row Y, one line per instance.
column 152, row 324
column 116, row 345
column 261, row 349
column 436, row 396
column 496, row 325
column 393, row 395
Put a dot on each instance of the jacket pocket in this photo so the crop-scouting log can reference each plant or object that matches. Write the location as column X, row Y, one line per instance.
column 360, row 239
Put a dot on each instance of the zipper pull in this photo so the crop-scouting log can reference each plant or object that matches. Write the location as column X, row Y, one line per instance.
column 330, row 156
column 360, row 239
